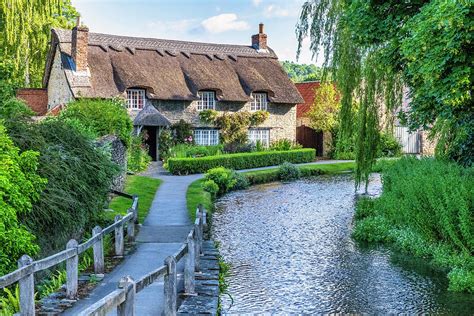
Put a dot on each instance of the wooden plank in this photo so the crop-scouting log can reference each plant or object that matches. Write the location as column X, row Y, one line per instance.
column 86, row 245
column 127, row 308
column 106, row 304
column 98, row 247
column 181, row 252
column 119, row 242
column 55, row 259
column 170, row 287
column 122, row 194
column 189, row 273
column 16, row 275
column 72, row 271
column 150, row 278
column 27, row 288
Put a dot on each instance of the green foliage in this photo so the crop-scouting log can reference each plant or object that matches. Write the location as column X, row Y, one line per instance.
column 10, row 301
column 52, row 284
column 79, row 177
column 374, row 50
column 324, row 111
column 239, row 161
column 20, row 186
column 208, row 116
column 388, row 146
column 241, row 181
column 104, row 117
column 211, row 187
column 196, row 195
column 183, row 132
column 224, row 178
column 426, row 208
column 301, row 72
column 288, row 172
column 165, row 142
column 137, row 154
column 26, row 27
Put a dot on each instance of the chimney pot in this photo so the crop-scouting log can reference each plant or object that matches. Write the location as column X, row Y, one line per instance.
column 259, row 41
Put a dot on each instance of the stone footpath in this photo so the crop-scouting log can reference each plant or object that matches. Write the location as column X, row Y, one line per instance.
column 207, row 285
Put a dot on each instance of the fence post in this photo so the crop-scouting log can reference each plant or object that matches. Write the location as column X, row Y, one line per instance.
column 118, row 236
column 135, row 210
column 131, row 227
column 197, row 251
column 170, row 290
column 98, row 248
column 189, row 275
column 27, row 289
column 72, row 271
column 127, row 308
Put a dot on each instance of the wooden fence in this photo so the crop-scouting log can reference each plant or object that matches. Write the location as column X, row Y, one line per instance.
column 123, row 298
column 27, row 267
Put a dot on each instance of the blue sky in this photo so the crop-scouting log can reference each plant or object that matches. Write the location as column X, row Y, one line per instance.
column 223, row 21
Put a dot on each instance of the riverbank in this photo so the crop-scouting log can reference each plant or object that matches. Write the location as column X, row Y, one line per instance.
column 427, row 210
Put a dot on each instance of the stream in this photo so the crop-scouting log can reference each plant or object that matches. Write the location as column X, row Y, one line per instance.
column 290, row 250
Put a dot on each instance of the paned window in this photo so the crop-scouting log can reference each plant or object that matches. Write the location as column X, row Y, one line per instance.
column 261, row 135
column 206, row 137
column 135, row 99
column 207, row 100
column 259, row 102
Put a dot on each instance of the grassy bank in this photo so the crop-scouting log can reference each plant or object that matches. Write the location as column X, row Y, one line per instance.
column 196, row 194
column 144, row 187
column 427, row 210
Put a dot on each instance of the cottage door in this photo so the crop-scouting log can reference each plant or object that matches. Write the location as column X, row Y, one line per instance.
column 150, row 135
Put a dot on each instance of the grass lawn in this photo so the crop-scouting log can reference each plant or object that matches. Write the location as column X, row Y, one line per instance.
column 196, row 195
column 144, row 187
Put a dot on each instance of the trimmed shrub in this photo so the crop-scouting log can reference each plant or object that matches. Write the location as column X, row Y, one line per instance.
column 224, row 178
column 188, row 151
column 239, row 161
column 288, row 172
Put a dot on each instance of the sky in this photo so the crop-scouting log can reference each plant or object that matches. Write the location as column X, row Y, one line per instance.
column 213, row 21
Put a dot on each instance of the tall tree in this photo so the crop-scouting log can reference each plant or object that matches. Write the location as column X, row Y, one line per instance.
column 25, row 27
column 376, row 47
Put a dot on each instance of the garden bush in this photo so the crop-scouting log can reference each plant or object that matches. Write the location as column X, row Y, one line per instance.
column 189, row 150
column 183, row 132
column 104, row 117
column 211, row 187
column 79, row 177
column 241, row 181
column 284, row 144
column 288, row 172
column 427, row 209
column 239, row 161
column 388, row 146
column 223, row 178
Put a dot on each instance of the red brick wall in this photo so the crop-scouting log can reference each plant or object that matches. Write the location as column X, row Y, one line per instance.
column 37, row 99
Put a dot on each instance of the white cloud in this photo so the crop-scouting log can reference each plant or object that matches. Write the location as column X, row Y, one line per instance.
column 256, row 3
column 224, row 22
column 165, row 28
column 274, row 10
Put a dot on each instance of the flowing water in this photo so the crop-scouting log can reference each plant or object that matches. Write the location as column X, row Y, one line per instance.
column 291, row 251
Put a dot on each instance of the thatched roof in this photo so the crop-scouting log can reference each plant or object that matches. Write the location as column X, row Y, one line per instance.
column 173, row 70
column 151, row 117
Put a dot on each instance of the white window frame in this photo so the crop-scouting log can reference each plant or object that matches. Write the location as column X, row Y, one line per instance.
column 259, row 134
column 259, row 102
column 136, row 99
column 207, row 100
column 206, row 137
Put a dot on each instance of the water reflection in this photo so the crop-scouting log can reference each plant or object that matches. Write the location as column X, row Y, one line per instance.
column 291, row 252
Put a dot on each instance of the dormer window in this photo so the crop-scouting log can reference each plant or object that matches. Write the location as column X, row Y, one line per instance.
column 135, row 99
column 259, row 102
column 207, row 100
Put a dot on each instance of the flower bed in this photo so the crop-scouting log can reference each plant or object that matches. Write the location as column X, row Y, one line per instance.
column 239, row 161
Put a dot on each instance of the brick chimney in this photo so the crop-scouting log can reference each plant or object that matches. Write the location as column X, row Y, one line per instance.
column 259, row 41
column 80, row 42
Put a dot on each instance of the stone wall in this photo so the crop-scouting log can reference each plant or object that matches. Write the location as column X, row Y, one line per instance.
column 59, row 92
column 428, row 146
column 281, row 122
column 118, row 154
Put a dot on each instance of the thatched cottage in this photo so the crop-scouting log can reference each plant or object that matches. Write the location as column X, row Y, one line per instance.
column 164, row 81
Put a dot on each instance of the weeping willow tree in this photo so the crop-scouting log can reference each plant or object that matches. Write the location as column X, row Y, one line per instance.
column 374, row 49
column 25, row 27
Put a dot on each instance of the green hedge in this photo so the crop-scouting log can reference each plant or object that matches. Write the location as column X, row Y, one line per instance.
column 239, row 161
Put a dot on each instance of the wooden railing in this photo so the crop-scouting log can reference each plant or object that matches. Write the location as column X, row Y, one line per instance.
column 27, row 267
column 123, row 298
